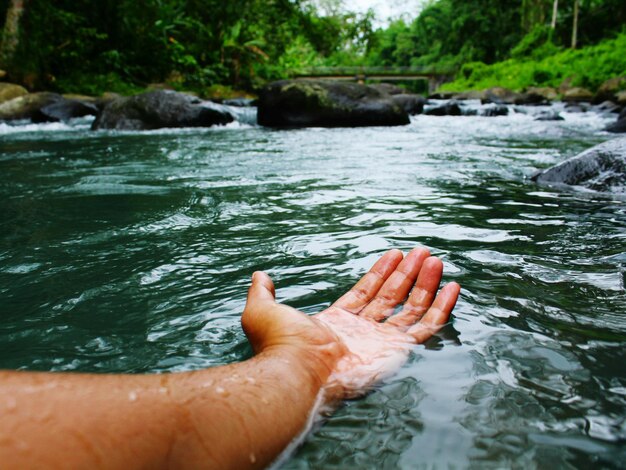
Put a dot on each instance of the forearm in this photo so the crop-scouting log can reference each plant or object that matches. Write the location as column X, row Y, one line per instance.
column 244, row 415
column 236, row 416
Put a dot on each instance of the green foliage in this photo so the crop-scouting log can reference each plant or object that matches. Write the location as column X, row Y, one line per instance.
column 192, row 44
column 589, row 67
column 124, row 45
column 450, row 32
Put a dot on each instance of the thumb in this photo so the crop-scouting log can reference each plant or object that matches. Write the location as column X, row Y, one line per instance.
column 261, row 290
column 260, row 294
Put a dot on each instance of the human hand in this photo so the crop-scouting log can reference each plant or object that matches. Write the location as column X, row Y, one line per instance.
column 358, row 340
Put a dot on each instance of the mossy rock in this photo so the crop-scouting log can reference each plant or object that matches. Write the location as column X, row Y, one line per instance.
column 577, row 95
column 323, row 103
column 8, row 91
column 27, row 106
column 158, row 109
column 609, row 90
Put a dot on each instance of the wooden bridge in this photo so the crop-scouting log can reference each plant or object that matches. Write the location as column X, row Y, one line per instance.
column 435, row 77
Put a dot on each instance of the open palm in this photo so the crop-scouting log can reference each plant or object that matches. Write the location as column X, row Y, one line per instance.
column 359, row 339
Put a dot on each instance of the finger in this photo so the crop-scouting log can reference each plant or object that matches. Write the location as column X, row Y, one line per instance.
column 397, row 287
column 438, row 314
column 261, row 290
column 364, row 291
column 422, row 295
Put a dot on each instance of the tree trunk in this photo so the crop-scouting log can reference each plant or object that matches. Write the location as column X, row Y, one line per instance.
column 555, row 11
column 11, row 31
column 575, row 26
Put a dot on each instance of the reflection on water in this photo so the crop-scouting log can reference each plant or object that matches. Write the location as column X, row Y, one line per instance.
column 124, row 252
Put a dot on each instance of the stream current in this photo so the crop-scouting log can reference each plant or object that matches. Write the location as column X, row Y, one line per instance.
column 132, row 252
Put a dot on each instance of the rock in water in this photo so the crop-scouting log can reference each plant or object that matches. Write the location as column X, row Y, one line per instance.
column 65, row 109
column 412, row 104
column 28, row 107
column 45, row 107
column 158, row 109
column 322, row 103
column 451, row 108
column 8, row 91
column 619, row 126
column 600, row 168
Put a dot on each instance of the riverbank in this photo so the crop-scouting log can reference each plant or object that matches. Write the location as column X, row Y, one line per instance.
column 547, row 66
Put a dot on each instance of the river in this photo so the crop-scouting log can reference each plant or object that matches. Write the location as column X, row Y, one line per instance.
column 132, row 252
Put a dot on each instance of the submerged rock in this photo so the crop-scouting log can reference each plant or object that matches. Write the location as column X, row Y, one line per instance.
column 323, row 103
column 239, row 102
column 451, row 108
column 158, row 109
column 494, row 111
column 600, row 168
column 64, row 109
column 549, row 115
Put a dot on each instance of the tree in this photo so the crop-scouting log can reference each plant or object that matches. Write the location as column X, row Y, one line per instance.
column 575, row 25
column 11, row 32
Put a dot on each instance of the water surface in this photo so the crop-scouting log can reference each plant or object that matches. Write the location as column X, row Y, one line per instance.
column 128, row 252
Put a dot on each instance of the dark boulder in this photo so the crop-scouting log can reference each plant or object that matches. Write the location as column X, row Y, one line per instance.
column 451, row 108
column 600, row 168
column 550, row 115
column 577, row 107
column 494, row 111
column 412, row 104
column 322, row 103
column 158, row 109
column 620, row 125
column 64, row 109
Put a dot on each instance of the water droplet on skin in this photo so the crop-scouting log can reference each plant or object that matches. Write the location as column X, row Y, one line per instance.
column 221, row 391
column 11, row 404
column 132, row 396
column 264, row 400
column 252, row 458
column 163, row 390
column 250, row 380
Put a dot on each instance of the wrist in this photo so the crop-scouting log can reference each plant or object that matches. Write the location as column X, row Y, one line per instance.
column 311, row 366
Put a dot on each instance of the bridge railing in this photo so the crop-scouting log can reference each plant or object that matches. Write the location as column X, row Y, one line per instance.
column 370, row 71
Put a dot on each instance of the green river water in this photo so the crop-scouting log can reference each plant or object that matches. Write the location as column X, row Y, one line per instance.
column 132, row 252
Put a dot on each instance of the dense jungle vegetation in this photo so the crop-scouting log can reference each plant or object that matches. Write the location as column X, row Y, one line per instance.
column 212, row 46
